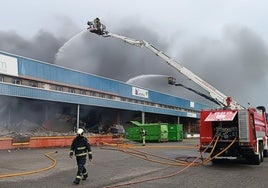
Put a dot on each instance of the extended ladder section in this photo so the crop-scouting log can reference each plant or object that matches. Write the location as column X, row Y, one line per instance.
column 214, row 93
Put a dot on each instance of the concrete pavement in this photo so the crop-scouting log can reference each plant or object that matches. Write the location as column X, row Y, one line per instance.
column 111, row 167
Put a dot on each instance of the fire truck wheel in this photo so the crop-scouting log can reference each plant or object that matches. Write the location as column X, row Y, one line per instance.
column 257, row 159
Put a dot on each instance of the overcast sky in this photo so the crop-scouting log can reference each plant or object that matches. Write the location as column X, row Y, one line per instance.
column 222, row 41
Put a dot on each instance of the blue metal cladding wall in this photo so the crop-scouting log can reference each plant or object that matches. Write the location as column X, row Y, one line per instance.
column 55, row 73
column 36, row 69
column 50, row 95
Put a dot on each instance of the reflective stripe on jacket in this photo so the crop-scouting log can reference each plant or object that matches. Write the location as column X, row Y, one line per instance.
column 80, row 146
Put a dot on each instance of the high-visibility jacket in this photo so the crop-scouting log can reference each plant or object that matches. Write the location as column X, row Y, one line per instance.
column 80, row 146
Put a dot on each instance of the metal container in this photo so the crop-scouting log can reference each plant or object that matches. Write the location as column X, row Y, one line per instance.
column 154, row 131
column 175, row 132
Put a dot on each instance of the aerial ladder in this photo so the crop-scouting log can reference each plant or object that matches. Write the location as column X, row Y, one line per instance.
column 215, row 95
column 233, row 132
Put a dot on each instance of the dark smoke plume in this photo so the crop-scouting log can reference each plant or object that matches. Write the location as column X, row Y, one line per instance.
column 111, row 57
column 43, row 46
column 235, row 63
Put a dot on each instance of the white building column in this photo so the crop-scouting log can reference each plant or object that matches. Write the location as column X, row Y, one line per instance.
column 77, row 117
column 143, row 117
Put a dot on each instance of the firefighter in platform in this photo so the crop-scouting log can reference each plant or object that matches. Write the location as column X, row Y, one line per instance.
column 143, row 136
column 97, row 24
column 80, row 148
column 97, row 27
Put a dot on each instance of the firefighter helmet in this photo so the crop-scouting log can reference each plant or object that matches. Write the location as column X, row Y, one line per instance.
column 80, row 131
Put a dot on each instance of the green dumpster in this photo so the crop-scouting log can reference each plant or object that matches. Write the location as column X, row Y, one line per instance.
column 175, row 132
column 154, row 131
column 164, row 132
column 133, row 133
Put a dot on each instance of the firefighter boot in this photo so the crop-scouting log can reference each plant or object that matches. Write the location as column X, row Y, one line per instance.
column 85, row 177
column 76, row 181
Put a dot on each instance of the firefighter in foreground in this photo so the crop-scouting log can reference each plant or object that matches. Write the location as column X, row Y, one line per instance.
column 80, row 148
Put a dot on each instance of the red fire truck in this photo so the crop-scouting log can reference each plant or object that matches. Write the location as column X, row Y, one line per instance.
column 230, row 132
column 234, row 134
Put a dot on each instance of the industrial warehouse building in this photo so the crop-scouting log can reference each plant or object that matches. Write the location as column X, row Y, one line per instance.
column 38, row 96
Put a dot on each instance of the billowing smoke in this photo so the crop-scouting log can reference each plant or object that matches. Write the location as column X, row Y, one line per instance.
column 43, row 46
column 235, row 63
column 112, row 58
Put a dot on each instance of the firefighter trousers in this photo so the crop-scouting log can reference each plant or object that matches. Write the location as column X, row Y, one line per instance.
column 81, row 170
column 143, row 140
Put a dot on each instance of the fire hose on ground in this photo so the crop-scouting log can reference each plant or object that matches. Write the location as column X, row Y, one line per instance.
column 132, row 150
column 48, row 155
column 144, row 155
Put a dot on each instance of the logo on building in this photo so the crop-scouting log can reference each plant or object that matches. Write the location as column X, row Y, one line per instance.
column 140, row 92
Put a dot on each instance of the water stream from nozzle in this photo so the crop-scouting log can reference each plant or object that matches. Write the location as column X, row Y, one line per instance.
column 67, row 43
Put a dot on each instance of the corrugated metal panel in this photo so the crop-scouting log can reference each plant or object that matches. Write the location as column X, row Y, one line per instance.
column 62, row 75
column 36, row 69
column 36, row 93
column 54, row 73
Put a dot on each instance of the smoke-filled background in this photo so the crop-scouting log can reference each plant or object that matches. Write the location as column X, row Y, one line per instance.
column 223, row 43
